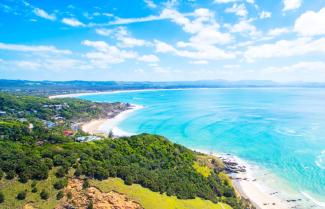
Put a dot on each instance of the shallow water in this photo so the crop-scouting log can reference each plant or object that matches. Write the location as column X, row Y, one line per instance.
column 279, row 129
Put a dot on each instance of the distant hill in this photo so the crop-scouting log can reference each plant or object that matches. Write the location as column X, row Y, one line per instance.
column 62, row 87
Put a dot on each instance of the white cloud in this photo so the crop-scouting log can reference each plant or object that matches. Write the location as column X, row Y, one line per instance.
column 307, row 71
column 285, row 48
column 278, row 31
column 41, row 13
column 238, row 9
column 251, row 1
column 200, row 52
column 243, row 26
column 291, row 4
column 311, row 23
column 163, row 47
column 149, row 58
column 28, row 65
column 265, row 14
column 199, row 62
column 224, row 1
column 126, row 40
column 72, row 22
column 150, row 4
column 124, row 21
column 105, row 54
column 104, row 32
column 32, row 48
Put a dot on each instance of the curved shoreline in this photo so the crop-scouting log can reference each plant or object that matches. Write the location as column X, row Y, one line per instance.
column 110, row 125
column 258, row 192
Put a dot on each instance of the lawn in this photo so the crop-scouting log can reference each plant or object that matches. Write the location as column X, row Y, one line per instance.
column 154, row 200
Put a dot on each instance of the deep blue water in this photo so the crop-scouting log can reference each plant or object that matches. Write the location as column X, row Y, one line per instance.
column 281, row 129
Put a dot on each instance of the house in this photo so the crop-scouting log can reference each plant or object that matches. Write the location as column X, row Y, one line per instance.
column 68, row 132
column 49, row 124
column 87, row 138
column 3, row 113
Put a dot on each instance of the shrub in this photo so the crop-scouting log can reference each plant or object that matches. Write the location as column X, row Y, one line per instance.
column 60, row 172
column 10, row 175
column 1, row 174
column 60, row 195
column 86, row 184
column 33, row 184
column 2, row 197
column 34, row 189
column 60, row 184
column 90, row 205
column 21, row 195
column 69, row 195
column 23, row 178
column 44, row 194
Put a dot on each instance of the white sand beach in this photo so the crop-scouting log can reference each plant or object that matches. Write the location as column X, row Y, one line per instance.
column 105, row 126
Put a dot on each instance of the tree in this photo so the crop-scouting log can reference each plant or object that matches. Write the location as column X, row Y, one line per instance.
column 44, row 194
column 34, row 189
column 21, row 195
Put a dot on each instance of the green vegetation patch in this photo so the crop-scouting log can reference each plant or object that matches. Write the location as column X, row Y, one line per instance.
column 11, row 188
column 154, row 200
column 202, row 169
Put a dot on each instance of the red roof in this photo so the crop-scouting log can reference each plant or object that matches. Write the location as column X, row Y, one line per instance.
column 68, row 132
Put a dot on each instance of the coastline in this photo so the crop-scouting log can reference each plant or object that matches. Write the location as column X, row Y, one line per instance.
column 244, row 183
column 105, row 126
column 247, row 184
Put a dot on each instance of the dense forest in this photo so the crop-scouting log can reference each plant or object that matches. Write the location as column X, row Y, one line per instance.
column 31, row 152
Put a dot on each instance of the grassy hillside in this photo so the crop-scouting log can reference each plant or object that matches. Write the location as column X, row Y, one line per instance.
column 31, row 151
column 154, row 200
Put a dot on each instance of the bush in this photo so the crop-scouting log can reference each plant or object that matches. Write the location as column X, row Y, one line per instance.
column 34, row 189
column 23, row 178
column 2, row 197
column 86, row 184
column 44, row 194
column 69, row 195
column 60, row 184
column 21, row 195
column 60, row 195
column 10, row 175
column 33, row 184
column 90, row 205
column 78, row 172
column 60, row 172
column 1, row 174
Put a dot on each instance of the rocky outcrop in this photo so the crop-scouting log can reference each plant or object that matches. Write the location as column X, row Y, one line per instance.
column 82, row 198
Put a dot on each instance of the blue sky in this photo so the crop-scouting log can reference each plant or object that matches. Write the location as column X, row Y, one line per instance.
column 137, row 40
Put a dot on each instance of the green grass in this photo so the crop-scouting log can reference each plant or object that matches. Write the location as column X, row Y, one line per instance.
column 154, row 200
column 202, row 169
column 11, row 188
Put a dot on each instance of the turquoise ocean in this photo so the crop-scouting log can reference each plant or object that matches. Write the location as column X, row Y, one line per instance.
column 280, row 130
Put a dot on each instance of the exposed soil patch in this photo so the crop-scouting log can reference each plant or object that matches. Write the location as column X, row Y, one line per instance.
column 82, row 198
